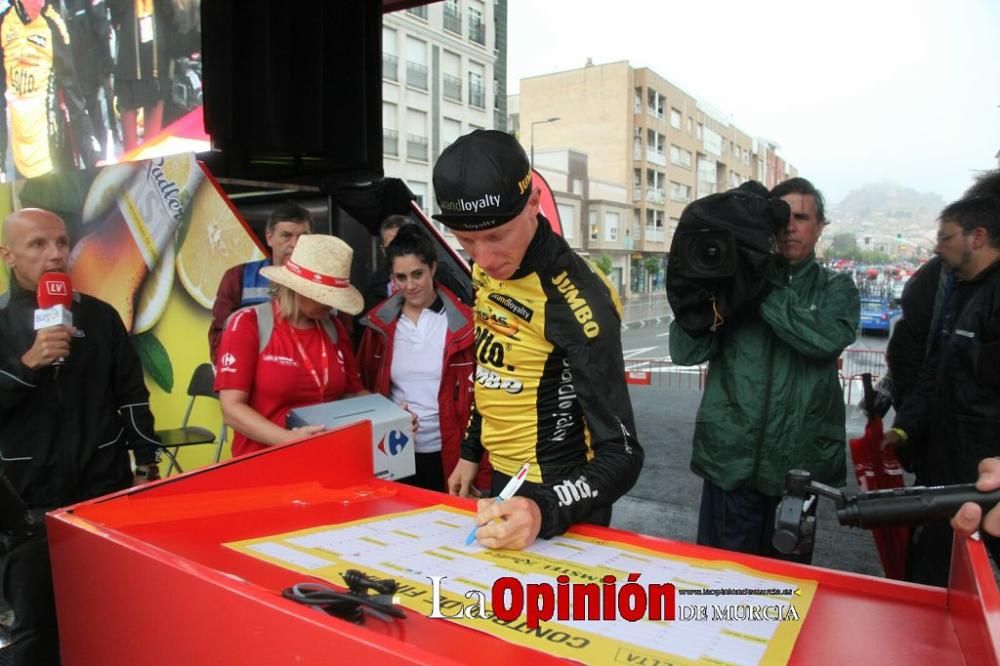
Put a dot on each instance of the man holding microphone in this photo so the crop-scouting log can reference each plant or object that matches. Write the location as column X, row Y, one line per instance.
column 72, row 402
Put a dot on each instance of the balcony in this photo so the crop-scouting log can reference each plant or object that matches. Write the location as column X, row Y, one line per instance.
column 653, row 234
column 656, row 157
column 655, row 196
column 416, row 75
column 451, row 87
column 416, row 148
column 637, row 193
column 477, row 31
column 477, row 95
column 452, row 20
column 390, row 67
column 390, row 142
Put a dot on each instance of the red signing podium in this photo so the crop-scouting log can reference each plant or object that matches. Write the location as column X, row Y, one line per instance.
column 142, row 577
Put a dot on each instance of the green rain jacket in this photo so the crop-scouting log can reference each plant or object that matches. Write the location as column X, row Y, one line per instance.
column 773, row 399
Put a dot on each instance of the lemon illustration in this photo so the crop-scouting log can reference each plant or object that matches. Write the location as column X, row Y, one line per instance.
column 178, row 167
column 215, row 241
column 155, row 293
column 104, row 191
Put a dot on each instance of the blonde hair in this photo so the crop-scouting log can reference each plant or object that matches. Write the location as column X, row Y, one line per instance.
column 288, row 305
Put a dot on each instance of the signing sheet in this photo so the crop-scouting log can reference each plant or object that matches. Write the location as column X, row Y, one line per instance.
column 725, row 613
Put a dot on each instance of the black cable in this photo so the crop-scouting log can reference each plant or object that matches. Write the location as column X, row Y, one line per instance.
column 353, row 604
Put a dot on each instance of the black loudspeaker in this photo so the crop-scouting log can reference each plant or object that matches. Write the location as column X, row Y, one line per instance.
column 293, row 90
column 705, row 253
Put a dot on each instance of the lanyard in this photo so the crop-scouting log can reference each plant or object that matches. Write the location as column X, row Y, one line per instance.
column 321, row 385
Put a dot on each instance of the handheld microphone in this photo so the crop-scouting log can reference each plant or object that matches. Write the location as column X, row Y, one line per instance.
column 55, row 298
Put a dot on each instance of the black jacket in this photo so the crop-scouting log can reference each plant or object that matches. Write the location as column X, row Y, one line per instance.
column 908, row 345
column 954, row 410
column 65, row 431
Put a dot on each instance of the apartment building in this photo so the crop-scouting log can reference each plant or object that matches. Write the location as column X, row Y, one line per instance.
column 641, row 132
column 443, row 75
column 769, row 167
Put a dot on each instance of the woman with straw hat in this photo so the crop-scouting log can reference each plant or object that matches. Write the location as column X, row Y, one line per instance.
column 290, row 351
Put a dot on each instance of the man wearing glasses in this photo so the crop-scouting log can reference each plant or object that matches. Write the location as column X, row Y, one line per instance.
column 953, row 413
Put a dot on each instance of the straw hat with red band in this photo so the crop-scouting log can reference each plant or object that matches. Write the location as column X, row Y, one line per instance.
column 320, row 269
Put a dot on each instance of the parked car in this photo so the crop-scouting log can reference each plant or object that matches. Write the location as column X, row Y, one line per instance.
column 879, row 314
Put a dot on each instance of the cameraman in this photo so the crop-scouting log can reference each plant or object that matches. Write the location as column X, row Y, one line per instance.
column 773, row 400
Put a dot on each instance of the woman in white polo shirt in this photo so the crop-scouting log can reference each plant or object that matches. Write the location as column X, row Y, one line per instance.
column 417, row 349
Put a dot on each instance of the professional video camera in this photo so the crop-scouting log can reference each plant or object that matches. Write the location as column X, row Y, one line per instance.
column 795, row 520
column 186, row 84
column 720, row 255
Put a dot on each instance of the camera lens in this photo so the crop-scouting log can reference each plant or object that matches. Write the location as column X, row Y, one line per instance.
column 709, row 254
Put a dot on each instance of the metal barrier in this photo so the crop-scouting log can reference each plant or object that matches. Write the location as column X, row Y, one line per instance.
column 657, row 372
column 855, row 362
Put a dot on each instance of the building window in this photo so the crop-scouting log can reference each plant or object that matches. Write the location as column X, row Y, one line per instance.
column 680, row 192
column 675, row 118
column 416, row 148
column 416, row 76
column 419, row 12
column 451, row 87
column 611, row 225
column 477, row 29
column 390, row 142
column 390, row 61
column 390, row 67
column 711, row 141
column 452, row 17
column 654, row 103
column 707, row 170
column 595, row 228
column 416, row 135
column 567, row 217
column 416, row 63
column 451, row 129
column 477, row 94
column 680, row 157
column 419, row 191
column 390, row 136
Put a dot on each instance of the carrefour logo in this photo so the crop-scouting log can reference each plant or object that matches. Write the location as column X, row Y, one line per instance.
column 397, row 440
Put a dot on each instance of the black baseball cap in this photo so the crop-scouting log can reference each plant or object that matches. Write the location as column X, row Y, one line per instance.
column 482, row 180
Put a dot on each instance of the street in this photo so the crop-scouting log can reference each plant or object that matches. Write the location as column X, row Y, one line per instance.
column 646, row 324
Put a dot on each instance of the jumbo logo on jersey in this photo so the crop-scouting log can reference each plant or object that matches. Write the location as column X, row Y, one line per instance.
column 397, row 440
column 577, row 304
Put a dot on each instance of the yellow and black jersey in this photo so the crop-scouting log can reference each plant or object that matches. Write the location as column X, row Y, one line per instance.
column 550, row 382
column 37, row 67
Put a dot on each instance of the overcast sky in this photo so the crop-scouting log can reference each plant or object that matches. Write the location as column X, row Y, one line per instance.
column 853, row 91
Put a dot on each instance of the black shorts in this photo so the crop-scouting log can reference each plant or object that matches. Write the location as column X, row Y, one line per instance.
column 138, row 93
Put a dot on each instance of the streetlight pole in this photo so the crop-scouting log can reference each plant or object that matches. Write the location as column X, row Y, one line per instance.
column 538, row 122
